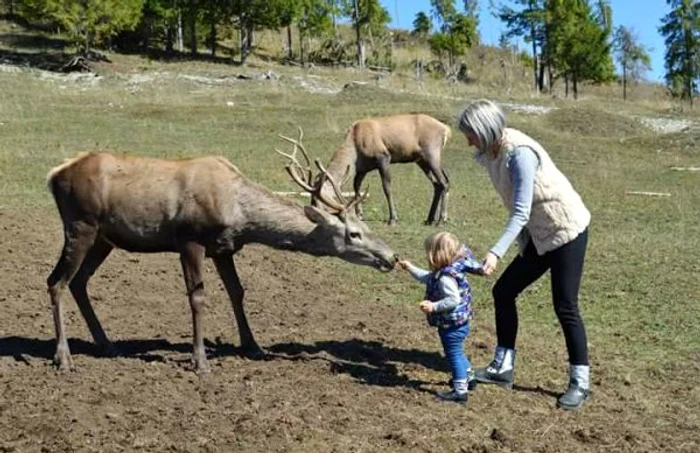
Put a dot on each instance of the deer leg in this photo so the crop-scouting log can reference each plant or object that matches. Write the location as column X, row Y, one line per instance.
column 386, row 185
column 227, row 271
column 78, row 287
column 192, row 260
column 445, row 196
column 357, row 186
column 79, row 237
column 438, row 177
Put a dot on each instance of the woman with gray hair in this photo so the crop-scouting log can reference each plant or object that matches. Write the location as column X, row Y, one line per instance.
column 550, row 223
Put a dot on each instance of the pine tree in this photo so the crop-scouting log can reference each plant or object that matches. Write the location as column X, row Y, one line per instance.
column 530, row 23
column 632, row 57
column 90, row 23
column 315, row 18
column 369, row 17
column 254, row 15
column 421, row 25
column 289, row 11
column 681, row 28
column 457, row 31
column 577, row 43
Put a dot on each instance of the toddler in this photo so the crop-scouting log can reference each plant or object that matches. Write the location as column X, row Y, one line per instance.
column 448, row 303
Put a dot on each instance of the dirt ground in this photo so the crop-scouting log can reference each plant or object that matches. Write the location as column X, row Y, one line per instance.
column 342, row 375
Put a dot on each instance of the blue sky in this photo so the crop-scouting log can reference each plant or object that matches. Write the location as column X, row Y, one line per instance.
column 644, row 16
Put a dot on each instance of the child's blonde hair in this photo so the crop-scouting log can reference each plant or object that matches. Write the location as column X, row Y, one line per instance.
column 442, row 249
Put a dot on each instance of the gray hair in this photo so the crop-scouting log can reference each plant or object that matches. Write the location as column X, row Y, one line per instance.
column 484, row 119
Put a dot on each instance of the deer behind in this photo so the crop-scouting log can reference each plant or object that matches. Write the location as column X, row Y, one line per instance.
column 201, row 207
column 376, row 143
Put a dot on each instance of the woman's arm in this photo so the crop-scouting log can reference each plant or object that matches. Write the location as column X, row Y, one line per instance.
column 522, row 164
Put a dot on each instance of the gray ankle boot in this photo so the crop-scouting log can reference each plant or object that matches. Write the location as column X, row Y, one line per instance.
column 500, row 370
column 578, row 391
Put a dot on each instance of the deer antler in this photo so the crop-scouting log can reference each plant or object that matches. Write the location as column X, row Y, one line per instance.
column 307, row 183
column 358, row 199
column 293, row 158
column 336, row 188
column 339, row 193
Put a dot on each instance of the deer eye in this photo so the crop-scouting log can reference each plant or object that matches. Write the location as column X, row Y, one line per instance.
column 355, row 235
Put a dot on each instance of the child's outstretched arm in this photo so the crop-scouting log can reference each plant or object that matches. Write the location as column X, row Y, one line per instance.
column 416, row 272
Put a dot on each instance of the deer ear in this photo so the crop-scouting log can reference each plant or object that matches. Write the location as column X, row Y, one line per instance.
column 318, row 216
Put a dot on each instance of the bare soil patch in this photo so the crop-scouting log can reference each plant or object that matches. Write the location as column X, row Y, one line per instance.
column 342, row 375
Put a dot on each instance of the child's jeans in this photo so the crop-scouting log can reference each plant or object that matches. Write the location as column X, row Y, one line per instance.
column 453, row 344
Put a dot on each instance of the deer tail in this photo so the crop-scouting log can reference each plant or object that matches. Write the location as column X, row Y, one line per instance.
column 446, row 136
column 51, row 175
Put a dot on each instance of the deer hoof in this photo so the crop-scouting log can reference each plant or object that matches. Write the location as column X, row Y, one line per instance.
column 393, row 222
column 109, row 350
column 63, row 361
column 201, row 366
column 254, row 352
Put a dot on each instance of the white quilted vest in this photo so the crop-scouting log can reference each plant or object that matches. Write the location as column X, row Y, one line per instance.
column 558, row 214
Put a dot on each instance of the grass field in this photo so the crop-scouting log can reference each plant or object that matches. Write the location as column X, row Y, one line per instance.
column 639, row 297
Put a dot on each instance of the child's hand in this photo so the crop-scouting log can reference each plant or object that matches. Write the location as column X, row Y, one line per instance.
column 403, row 264
column 426, row 306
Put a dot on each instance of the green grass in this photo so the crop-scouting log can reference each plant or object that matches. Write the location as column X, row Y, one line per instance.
column 640, row 290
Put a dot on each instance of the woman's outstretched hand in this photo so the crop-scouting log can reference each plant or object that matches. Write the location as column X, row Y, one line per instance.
column 490, row 263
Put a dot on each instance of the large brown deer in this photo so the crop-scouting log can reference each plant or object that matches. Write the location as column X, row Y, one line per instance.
column 376, row 143
column 201, row 207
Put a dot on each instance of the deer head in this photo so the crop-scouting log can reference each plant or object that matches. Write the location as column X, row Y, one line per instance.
column 339, row 225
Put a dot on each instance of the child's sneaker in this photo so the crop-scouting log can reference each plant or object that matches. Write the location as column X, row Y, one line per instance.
column 454, row 396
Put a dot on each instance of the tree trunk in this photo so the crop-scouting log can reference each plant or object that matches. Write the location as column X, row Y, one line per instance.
column 169, row 39
column 212, row 35
column 624, row 82
column 180, row 40
column 301, row 47
column 193, row 27
column 360, row 42
column 289, row 42
column 534, row 56
column 540, row 76
column 88, row 45
column 575, row 86
column 244, row 41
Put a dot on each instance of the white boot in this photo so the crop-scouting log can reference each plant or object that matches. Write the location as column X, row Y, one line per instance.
column 578, row 391
column 500, row 370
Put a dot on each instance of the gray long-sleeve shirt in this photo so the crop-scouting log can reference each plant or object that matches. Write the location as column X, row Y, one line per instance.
column 448, row 288
column 449, row 291
column 522, row 165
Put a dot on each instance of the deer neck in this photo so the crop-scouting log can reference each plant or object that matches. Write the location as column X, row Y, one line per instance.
column 282, row 224
column 344, row 157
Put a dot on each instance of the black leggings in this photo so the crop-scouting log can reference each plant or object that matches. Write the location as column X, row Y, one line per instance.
column 566, row 264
